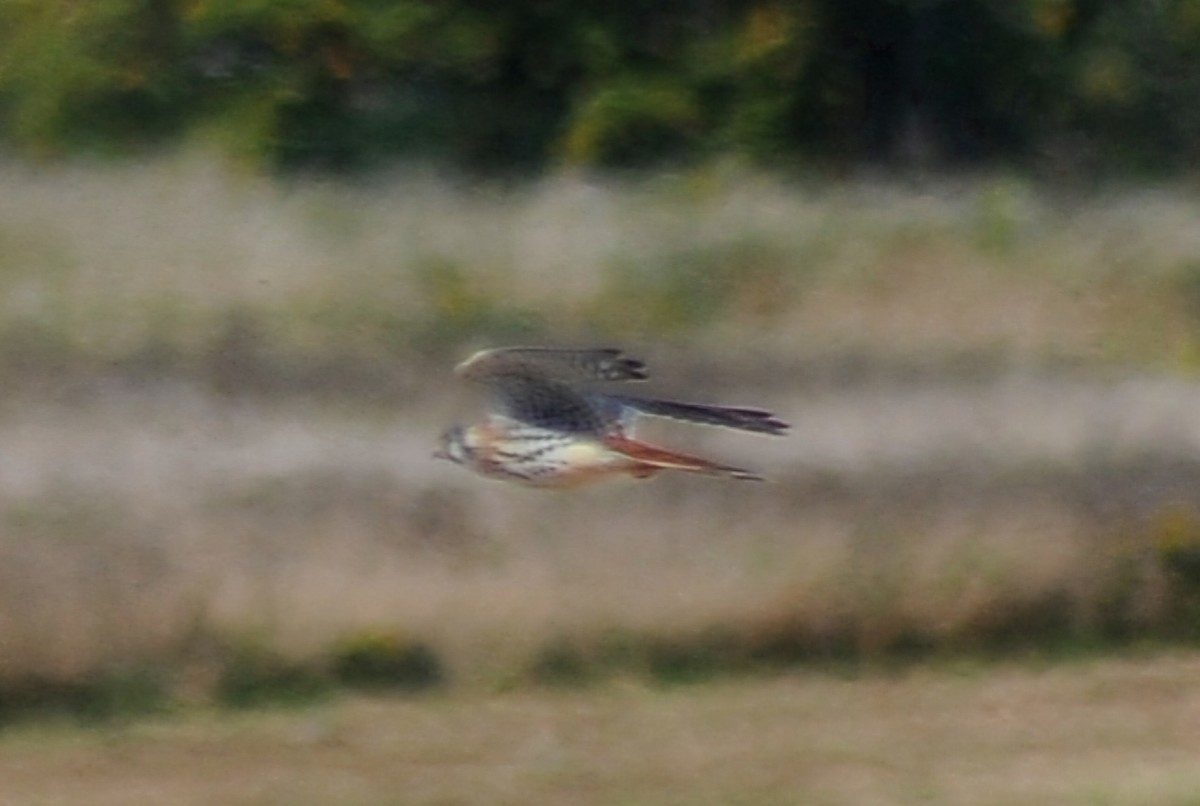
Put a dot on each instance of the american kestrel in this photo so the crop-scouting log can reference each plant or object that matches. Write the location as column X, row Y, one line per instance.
column 550, row 432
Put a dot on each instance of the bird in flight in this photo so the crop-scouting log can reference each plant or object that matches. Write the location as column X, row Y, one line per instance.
column 550, row 429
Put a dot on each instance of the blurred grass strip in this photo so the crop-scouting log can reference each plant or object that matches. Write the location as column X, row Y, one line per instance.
column 182, row 264
column 288, row 595
column 182, row 522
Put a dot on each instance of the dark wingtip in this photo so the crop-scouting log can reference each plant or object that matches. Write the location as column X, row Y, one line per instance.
column 762, row 421
column 635, row 369
column 620, row 367
column 778, row 427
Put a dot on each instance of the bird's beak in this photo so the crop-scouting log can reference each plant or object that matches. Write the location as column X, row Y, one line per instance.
column 440, row 453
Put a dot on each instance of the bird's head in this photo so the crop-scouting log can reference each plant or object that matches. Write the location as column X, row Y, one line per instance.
column 452, row 445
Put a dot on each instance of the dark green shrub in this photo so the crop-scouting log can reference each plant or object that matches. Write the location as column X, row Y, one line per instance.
column 255, row 676
column 384, row 661
column 106, row 697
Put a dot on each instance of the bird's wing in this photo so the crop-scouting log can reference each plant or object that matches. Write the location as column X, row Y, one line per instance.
column 565, row 366
column 547, row 404
column 535, row 385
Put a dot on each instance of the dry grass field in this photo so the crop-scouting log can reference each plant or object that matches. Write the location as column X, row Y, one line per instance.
column 218, row 399
column 1096, row 732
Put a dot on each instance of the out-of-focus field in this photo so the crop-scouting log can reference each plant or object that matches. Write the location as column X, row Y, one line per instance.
column 1111, row 732
column 220, row 393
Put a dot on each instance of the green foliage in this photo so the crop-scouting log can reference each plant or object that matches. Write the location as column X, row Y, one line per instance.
column 255, row 675
column 666, row 659
column 563, row 662
column 999, row 216
column 1176, row 544
column 384, row 661
column 632, row 120
column 88, row 74
column 106, row 697
column 336, row 83
column 1133, row 83
column 694, row 658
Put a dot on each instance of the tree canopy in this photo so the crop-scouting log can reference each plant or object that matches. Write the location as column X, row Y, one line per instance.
column 526, row 83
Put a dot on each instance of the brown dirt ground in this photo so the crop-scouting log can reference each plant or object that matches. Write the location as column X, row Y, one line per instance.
column 1097, row 731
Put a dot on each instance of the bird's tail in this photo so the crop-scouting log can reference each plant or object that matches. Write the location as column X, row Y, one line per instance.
column 649, row 459
column 742, row 418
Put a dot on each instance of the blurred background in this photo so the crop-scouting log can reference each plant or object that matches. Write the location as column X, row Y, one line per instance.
column 955, row 242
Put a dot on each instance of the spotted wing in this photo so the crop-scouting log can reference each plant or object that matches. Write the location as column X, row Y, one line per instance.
column 563, row 366
column 535, row 385
column 548, row 404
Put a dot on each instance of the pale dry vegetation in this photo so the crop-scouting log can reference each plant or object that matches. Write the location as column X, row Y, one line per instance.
column 162, row 259
column 221, row 393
